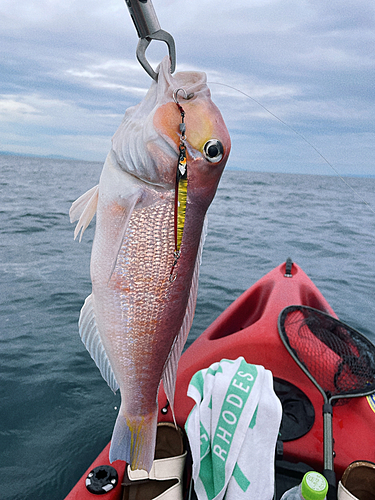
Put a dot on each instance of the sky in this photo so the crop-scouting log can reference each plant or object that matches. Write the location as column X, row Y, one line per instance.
column 68, row 72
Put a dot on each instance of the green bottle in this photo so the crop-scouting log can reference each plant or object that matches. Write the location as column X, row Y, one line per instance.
column 314, row 486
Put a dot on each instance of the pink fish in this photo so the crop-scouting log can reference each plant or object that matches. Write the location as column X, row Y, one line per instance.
column 137, row 318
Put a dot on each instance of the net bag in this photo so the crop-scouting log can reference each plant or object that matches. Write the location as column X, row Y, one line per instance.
column 339, row 358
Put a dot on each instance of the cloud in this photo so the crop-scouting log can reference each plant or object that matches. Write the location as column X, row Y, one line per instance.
column 12, row 109
column 117, row 75
column 69, row 71
column 61, row 127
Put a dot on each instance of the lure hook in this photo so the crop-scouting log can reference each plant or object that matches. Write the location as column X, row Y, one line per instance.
column 186, row 95
column 175, row 95
column 176, row 256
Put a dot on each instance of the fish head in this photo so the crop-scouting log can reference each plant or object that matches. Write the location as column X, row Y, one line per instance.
column 207, row 140
column 147, row 142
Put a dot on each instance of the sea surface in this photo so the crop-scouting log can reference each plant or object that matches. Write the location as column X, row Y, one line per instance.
column 56, row 412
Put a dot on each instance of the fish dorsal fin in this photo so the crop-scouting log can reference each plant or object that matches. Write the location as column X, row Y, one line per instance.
column 170, row 370
column 83, row 210
column 90, row 336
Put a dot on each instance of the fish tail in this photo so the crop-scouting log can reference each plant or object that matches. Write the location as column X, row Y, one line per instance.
column 133, row 440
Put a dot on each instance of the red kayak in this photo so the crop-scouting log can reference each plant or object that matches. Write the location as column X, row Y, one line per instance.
column 249, row 328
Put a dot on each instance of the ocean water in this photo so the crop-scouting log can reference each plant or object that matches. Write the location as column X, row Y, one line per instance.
column 56, row 412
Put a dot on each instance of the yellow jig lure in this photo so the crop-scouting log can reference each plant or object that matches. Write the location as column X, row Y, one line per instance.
column 180, row 190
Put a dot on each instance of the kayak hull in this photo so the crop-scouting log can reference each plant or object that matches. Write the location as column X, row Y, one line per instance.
column 248, row 328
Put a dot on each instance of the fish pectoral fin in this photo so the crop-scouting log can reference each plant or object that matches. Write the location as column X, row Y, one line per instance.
column 170, row 370
column 83, row 210
column 128, row 208
column 90, row 336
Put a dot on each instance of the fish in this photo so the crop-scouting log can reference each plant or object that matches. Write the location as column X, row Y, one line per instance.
column 147, row 247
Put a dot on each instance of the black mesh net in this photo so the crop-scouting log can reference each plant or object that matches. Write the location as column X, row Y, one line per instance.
column 340, row 359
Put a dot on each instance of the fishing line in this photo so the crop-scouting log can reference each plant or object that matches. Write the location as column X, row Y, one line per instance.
column 302, row 137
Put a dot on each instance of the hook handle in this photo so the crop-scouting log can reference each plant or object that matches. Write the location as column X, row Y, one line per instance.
column 144, row 17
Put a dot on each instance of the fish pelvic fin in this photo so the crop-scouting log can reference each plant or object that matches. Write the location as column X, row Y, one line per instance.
column 133, row 440
column 170, row 370
column 90, row 336
column 83, row 210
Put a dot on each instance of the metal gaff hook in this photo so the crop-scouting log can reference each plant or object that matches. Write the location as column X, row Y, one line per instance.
column 148, row 28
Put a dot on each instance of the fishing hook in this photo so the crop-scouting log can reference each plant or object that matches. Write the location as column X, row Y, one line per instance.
column 186, row 95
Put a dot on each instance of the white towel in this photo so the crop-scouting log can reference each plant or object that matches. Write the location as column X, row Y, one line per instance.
column 232, row 431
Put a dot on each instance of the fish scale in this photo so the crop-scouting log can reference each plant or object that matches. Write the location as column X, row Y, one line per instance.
column 142, row 285
column 147, row 259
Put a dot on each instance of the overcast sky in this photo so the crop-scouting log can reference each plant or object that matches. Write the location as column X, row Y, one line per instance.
column 68, row 73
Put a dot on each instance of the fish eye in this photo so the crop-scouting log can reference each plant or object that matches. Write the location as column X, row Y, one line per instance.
column 213, row 151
